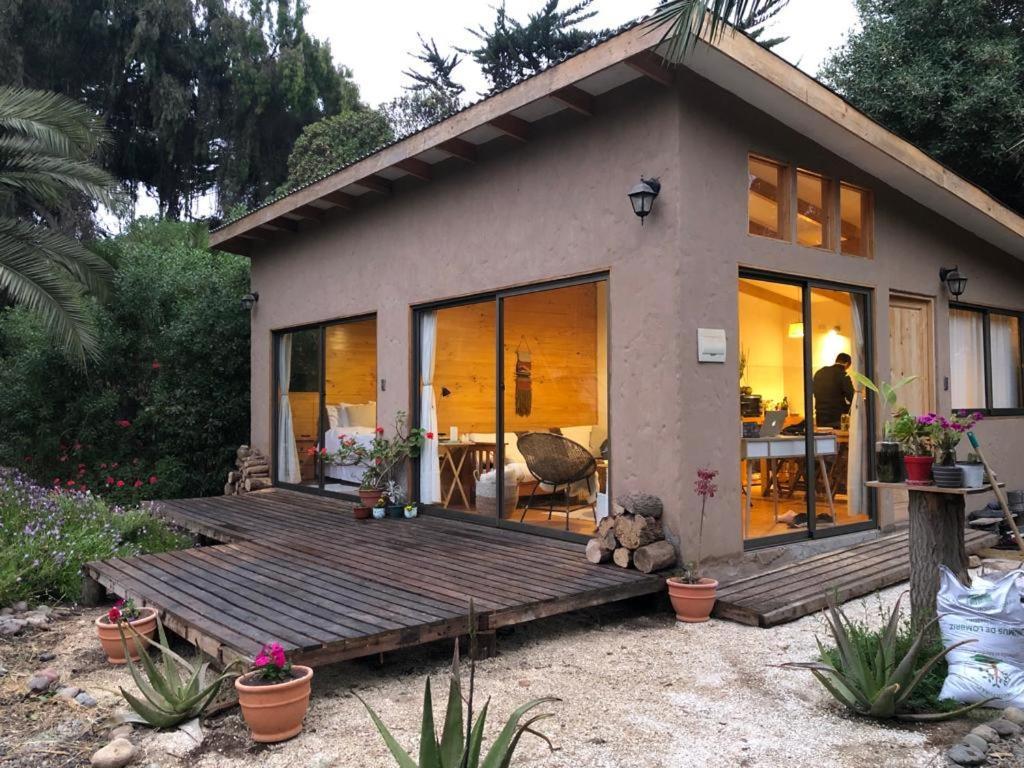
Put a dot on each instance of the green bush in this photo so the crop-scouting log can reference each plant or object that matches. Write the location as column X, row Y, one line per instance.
column 160, row 414
column 46, row 535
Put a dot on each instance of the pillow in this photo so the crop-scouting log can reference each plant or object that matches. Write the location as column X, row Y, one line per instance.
column 332, row 415
column 356, row 431
column 579, row 435
column 364, row 415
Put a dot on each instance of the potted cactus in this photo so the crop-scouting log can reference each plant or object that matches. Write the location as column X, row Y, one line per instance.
column 274, row 695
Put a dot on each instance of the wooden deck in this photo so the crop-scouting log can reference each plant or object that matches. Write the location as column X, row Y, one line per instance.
column 798, row 589
column 298, row 569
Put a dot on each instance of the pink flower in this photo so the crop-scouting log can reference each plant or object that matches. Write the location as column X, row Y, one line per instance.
column 110, row 480
column 704, row 485
column 103, row 465
column 156, row 365
column 137, row 483
column 260, row 661
column 429, row 435
column 114, row 615
column 123, row 423
column 120, row 483
column 70, row 483
column 56, row 481
column 119, row 603
column 114, row 465
column 152, row 479
column 380, row 430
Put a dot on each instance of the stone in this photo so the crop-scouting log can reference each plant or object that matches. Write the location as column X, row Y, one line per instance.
column 986, row 733
column 6, row 611
column 176, row 743
column 3, row 671
column 36, row 620
column 86, row 700
column 643, row 504
column 1004, row 727
column 19, row 607
column 1014, row 715
column 117, row 754
column 962, row 754
column 43, row 679
column 47, row 656
column 975, row 741
column 11, row 626
column 122, row 732
column 974, row 561
column 68, row 692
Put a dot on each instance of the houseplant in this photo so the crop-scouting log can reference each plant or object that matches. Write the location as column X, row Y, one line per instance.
column 396, row 498
column 410, row 511
column 888, row 463
column 274, row 696
column 914, row 434
column 141, row 621
column 692, row 595
column 381, row 458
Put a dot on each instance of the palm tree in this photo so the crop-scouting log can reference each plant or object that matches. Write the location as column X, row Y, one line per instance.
column 46, row 145
column 689, row 19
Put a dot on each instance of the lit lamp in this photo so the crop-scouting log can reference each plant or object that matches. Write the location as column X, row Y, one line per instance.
column 249, row 300
column 956, row 283
column 641, row 197
column 796, row 330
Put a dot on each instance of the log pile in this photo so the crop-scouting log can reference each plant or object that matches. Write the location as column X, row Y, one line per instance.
column 633, row 535
column 252, row 472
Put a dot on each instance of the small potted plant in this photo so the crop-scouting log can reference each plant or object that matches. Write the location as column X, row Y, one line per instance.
column 888, row 457
column 381, row 458
column 974, row 471
column 410, row 511
column 380, row 507
column 141, row 621
column 692, row 594
column 396, row 500
column 274, row 695
column 359, row 512
column 946, row 436
column 914, row 434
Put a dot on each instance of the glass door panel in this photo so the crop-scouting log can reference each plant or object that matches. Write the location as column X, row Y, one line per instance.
column 298, row 407
column 773, row 463
column 555, row 406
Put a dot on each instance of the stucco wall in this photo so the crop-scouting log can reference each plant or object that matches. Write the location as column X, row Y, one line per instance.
column 556, row 207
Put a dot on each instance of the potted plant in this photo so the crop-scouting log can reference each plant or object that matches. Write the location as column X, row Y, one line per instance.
column 274, row 696
column 693, row 595
column 360, row 512
column 946, row 436
column 381, row 458
column 888, row 459
column 410, row 511
column 396, row 500
column 141, row 621
column 973, row 470
column 380, row 507
column 914, row 434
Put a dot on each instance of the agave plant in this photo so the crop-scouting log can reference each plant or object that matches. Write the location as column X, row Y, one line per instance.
column 171, row 698
column 872, row 681
column 461, row 742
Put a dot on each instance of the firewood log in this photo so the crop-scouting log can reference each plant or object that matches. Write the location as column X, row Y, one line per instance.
column 257, row 483
column 234, row 476
column 635, row 531
column 654, row 557
column 260, row 470
column 622, row 557
column 598, row 551
column 641, row 504
column 229, row 489
column 606, row 525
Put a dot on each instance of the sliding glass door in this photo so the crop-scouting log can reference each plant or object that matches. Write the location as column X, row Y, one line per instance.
column 806, row 429
column 514, row 389
column 325, row 387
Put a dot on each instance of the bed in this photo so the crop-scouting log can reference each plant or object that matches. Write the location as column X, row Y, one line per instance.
column 351, row 420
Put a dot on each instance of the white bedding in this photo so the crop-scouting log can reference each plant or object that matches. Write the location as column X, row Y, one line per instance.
column 332, row 441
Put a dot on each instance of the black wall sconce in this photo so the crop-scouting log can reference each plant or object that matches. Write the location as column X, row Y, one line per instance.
column 445, row 392
column 641, row 197
column 956, row 283
column 249, row 300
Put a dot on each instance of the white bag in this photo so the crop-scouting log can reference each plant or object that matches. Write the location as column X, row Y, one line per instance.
column 991, row 614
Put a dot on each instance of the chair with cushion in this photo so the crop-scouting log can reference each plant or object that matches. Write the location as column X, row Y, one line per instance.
column 558, row 462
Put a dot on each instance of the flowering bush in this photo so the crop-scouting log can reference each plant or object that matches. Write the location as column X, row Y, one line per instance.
column 271, row 665
column 383, row 456
column 47, row 534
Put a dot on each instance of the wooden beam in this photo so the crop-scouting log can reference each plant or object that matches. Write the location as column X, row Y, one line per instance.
column 339, row 200
column 512, row 126
column 575, row 99
column 415, row 167
column 651, row 65
column 375, row 183
column 460, row 148
column 256, row 234
column 306, row 212
column 280, row 224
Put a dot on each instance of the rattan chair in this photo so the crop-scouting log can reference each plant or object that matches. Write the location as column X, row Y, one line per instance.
column 559, row 462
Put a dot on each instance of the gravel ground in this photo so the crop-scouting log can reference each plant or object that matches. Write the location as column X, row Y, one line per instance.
column 636, row 689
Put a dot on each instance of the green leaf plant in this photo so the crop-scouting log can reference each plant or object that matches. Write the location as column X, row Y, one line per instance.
column 869, row 679
column 169, row 697
column 887, row 393
column 461, row 742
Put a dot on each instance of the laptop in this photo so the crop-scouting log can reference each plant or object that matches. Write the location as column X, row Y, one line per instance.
column 774, row 421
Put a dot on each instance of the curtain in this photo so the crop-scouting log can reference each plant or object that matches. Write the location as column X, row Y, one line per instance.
column 966, row 358
column 430, row 465
column 857, row 447
column 1004, row 332
column 287, row 452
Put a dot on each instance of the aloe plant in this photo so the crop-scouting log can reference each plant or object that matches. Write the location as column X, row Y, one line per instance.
column 171, row 698
column 872, row 681
column 461, row 742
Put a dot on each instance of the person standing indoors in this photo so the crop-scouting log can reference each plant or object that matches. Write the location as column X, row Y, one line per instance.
column 833, row 392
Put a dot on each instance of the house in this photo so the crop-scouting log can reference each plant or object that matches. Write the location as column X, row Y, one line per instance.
column 489, row 276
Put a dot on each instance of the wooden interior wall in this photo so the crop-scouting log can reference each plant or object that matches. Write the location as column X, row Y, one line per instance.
column 350, row 364
column 304, row 414
column 560, row 326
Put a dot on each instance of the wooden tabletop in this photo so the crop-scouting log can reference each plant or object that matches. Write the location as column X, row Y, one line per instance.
column 930, row 488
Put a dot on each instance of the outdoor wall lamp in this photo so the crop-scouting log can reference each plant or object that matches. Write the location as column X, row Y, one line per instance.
column 955, row 282
column 249, row 300
column 641, row 197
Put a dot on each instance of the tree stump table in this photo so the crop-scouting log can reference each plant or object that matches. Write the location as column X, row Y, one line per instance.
column 936, row 537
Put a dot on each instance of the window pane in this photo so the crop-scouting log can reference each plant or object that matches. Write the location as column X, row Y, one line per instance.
column 766, row 198
column 350, row 396
column 812, row 203
column 853, row 208
column 298, row 406
column 966, row 358
column 1004, row 332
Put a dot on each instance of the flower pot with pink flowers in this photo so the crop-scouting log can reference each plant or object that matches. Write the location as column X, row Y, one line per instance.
column 692, row 594
column 274, row 695
column 382, row 459
column 139, row 621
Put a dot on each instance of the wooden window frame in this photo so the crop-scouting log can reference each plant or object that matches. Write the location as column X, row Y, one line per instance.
column 786, row 194
column 867, row 220
column 986, row 315
column 830, row 204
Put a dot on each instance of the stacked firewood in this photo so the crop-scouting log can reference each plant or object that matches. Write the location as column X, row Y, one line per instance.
column 633, row 535
column 252, row 473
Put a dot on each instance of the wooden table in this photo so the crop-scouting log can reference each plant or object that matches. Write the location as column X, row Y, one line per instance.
column 937, row 522
column 453, row 457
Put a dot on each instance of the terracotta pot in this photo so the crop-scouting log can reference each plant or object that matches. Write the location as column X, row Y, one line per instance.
column 369, row 497
column 110, row 637
column 692, row 602
column 919, row 469
column 275, row 712
column 361, row 513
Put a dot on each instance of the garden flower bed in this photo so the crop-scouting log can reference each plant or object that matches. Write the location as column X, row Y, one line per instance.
column 46, row 534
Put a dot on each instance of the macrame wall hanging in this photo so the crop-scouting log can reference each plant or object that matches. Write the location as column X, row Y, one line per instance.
column 524, row 384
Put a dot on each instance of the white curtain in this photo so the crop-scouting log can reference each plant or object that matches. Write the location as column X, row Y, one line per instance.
column 287, row 451
column 430, row 465
column 858, row 432
column 1004, row 332
column 966, row 359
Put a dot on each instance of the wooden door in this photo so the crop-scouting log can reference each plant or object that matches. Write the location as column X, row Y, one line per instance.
column 911, row 353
